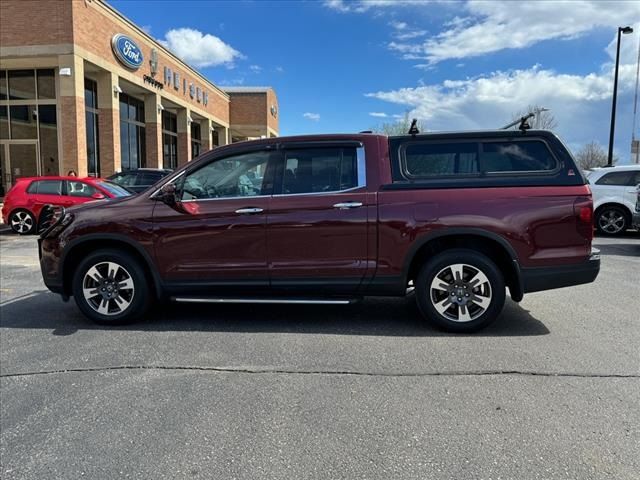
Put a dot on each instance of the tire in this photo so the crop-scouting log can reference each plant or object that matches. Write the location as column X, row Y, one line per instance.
column 612, row 220
column 480, row 302
column 111, row 299
column 22, row 221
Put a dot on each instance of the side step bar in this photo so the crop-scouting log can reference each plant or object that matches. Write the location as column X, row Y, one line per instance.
column 300, row 301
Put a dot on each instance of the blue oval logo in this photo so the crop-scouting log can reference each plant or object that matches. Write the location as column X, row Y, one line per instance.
column 127, row 51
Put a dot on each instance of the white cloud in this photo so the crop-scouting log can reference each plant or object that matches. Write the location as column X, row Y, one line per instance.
column 493, row 26
column 232, row 82
column 255, row 68
column 279, row 69
column 378, row 114
column 311, row 116
column 360, row 6
column 199, row 49
column 580, row 103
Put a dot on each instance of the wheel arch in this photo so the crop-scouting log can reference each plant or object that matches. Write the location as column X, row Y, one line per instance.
column 622, row 206
column 79, row 248
column 488, row 243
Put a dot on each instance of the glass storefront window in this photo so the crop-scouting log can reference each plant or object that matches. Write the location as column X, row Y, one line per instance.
column 22, row 85
column 132, row 133
column 169, row 140
column 46, row 84
column 91, row 125
column 48, row 140
column 24, row 122
column 3, row 84
column 4, row 122
column 196, row 140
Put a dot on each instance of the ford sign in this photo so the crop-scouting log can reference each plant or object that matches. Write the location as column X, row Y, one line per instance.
column 127, row 51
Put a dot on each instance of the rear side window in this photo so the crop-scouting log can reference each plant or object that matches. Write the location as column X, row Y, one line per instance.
column 441, row 159
column 521, row 156
column 46, row 187
column 316, row 170
column 617, row 179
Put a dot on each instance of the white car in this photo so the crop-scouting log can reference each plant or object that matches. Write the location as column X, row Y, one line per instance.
column 615, row 192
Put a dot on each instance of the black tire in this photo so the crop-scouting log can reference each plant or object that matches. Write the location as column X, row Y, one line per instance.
column 470, row 290
column 620, row 217
column 139, row 297
column 22, row 221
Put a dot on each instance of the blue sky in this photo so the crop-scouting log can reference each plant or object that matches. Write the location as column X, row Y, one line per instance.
column 456, row 65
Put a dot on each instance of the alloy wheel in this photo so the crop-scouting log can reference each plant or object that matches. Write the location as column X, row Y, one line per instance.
column 460, row 292
column 22, row 222
column 108, row 288
column 612, row 221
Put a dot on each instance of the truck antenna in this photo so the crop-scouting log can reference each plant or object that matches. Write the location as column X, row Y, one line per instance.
column 413, row 129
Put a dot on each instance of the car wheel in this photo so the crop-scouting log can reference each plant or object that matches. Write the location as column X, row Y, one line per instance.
column 22, row 222
column 110, row 288
column 460, row 291
column 612, row 221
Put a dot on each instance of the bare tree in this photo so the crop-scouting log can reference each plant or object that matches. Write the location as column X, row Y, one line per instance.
column 400, row 127
column 543, row 120
column 592, row 155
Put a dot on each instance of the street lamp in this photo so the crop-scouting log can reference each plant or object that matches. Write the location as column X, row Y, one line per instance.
column 626, row 30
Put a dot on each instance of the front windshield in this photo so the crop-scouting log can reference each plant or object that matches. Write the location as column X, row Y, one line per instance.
column 113, row 189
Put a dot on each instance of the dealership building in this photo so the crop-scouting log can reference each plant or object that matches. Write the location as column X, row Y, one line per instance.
column 83, row 88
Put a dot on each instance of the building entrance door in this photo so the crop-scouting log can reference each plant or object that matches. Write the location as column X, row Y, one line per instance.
column 18, row 158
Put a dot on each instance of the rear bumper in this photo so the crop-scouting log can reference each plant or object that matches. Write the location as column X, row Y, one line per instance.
column 548, row 278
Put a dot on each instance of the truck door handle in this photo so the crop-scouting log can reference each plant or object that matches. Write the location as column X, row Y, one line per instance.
column 345, row 205
column 249, row 210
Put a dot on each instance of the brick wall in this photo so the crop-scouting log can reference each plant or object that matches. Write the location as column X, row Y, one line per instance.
column 35, row 22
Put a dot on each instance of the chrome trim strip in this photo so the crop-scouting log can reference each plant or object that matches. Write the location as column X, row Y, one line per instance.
column 261, row 301
column 313, row 193
column 247, row 197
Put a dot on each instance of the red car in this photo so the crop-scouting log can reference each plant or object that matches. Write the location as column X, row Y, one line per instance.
column 24, row 202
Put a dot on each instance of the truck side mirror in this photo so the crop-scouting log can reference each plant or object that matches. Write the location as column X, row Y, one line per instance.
column 167, row 194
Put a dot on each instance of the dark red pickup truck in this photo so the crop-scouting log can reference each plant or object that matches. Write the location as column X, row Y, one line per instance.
column 327, row 219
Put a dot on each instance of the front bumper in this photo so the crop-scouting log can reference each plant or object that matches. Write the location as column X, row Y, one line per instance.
column 548, row 278
column 49, row 255
column 636, row 220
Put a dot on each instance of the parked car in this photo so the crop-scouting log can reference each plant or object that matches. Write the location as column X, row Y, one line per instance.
column 614, row 196
column 140, row 179
column 326, row 219
column 636, row 213
column 24, row 201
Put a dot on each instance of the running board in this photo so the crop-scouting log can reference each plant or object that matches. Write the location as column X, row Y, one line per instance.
column 300, row 301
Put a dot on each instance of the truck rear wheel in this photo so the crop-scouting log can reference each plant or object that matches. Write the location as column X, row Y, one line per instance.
column 460, row 290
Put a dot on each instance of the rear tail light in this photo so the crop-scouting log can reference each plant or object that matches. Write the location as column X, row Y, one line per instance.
column 583, row 209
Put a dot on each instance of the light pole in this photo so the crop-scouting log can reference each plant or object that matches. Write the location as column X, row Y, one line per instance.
column 621, row 30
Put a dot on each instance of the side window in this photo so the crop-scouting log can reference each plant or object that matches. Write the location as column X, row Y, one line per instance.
column 125, row 179
column 145, row 179
column 636, row 180
column 79, row 189
column 33, row 188
column 617, row 179
column 520, row 156
column 440, row 159
column 238, row 176
column 315, row 170
column 50, row 187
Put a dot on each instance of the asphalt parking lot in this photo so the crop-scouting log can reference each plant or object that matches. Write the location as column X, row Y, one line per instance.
column 551, row 390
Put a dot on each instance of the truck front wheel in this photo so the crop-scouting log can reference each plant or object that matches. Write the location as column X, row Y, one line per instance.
column 460, row 290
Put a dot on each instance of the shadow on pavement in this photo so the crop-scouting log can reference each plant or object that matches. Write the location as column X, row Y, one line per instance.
column 620, row 249
column 374, row 316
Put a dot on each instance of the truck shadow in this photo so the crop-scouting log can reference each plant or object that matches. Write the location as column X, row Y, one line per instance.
column 372, row 317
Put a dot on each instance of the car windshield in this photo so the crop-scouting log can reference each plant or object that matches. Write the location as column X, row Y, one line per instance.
column 113, row 189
